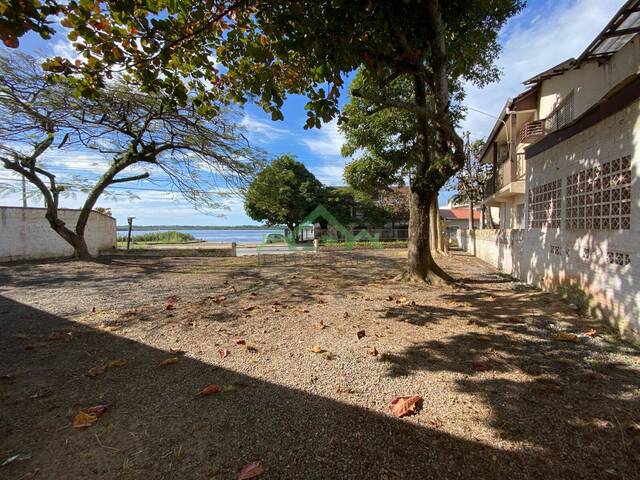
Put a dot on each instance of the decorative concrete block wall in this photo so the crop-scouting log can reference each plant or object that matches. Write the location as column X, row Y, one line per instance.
column 591, row 246
column 25, row 234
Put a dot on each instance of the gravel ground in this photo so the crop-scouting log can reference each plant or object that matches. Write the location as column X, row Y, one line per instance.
column 502, row 398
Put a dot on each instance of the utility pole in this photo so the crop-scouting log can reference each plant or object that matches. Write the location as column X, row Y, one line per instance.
column 24, row 192
column 130, row 222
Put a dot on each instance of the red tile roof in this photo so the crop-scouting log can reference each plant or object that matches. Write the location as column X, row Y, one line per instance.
column 458, row 214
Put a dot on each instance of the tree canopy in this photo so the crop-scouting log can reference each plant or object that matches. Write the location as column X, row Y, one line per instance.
column 283, row 193
column 135, row 133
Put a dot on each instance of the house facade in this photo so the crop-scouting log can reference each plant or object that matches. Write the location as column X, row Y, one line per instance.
column 566, row 160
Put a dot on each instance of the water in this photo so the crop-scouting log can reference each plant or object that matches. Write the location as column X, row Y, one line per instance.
column 219, row 236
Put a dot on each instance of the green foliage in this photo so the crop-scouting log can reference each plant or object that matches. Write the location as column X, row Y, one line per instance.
column 283, row 193
column 17, row 18
column 350, row 207
column 159, row 237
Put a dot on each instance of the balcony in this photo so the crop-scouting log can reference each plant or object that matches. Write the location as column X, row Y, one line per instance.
column 532, row 131
column 507, row 180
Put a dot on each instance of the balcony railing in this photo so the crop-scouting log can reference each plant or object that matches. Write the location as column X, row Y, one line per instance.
column 531, row 131
column 520, row 169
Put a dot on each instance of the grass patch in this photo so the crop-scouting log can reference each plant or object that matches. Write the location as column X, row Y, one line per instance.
column 151, row 238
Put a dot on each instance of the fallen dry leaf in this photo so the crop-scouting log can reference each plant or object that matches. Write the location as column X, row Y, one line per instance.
column 401, row 406
column 88, row 416
column 248, row 308
column 219, row 298
column 303, row 310
column 170, row 303
column 346, row 315
column 84, row 420
column 319, row 325
column 169, row 361
column 373, row 351
column 210, row 389
column 176, row 351
column 591, row 333
column 95, row 371
column 253, row 294
column 389, row 298
column 566, row 337
column 274, row 309
column 480, row 366
column 97, row 410
column 223, row 353
column 239, row 340
column 118, row 362
column 402, row 299
column 251, row 470
column 361, row 334
column 317, row 349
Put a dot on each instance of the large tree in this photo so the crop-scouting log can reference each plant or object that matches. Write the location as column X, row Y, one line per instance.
column 283, row 193
column 269, row 49
column 135, row 133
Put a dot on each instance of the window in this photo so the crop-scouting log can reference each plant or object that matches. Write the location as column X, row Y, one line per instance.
column 545, row 205
column 562, row 115
column 599, row 198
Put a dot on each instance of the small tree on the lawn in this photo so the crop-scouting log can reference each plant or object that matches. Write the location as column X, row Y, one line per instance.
column 134, row 132
column 283, row 193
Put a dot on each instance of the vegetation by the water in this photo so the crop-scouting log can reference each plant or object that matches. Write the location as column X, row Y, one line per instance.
column 197, row 227
column 361, row 245
column 159, row 237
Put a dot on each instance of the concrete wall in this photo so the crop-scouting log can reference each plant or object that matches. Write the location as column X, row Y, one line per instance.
column 582, row 262
column 25, row 234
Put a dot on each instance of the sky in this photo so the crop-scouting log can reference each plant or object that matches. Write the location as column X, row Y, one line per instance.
column 544, row 34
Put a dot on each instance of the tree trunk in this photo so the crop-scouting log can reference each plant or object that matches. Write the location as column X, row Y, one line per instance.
column 433, row 226
column 421, row 265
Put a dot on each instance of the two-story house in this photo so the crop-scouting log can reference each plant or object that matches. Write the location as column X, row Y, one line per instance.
column 566, row 162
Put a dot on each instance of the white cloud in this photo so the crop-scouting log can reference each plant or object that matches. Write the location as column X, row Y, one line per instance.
column 533, row 46
column 327, row 141
column 64, row 48
column 330, row 173
column 264, row 132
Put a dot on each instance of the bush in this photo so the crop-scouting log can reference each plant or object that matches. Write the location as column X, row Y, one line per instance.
column 159, row 237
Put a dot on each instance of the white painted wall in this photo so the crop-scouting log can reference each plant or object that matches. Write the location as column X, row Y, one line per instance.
column 613, row 291
column 591, row 81
column 25, row 234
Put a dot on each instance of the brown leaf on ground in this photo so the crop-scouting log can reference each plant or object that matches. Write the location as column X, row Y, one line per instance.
column 274, row 309
column 303, row 310
column 232, row 289
column 248, row 308
column 239, row 340
column 317, row 349
column 401, row 406
column 84, row 420
column 373, row 352
column 169, row 361
column 97, row 410
column 253, row 294
column 170, row 304
column 176, row 351
column 223, row 353
column 480, row 366
column 361, row 334
column 346, row 315
column 88, row 416
column 219, row 299
column 591, row 333
column 565, row 337
column 95, row 371
column 389, row 298
column 118, row 362
column 251, row 470
column 210, row 389
column 319, row 325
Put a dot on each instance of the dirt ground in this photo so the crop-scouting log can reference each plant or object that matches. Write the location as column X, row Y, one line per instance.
column 502, row 398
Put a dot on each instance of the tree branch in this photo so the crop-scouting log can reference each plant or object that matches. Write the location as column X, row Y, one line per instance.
column 133, row 178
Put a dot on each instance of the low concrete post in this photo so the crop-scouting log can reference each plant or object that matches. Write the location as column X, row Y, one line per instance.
column 233, row 249
column 316, row 245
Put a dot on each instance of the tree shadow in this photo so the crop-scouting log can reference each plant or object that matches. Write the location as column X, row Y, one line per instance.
column 156, row 426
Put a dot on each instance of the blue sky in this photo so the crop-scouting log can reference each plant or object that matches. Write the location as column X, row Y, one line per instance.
column 544, row 34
